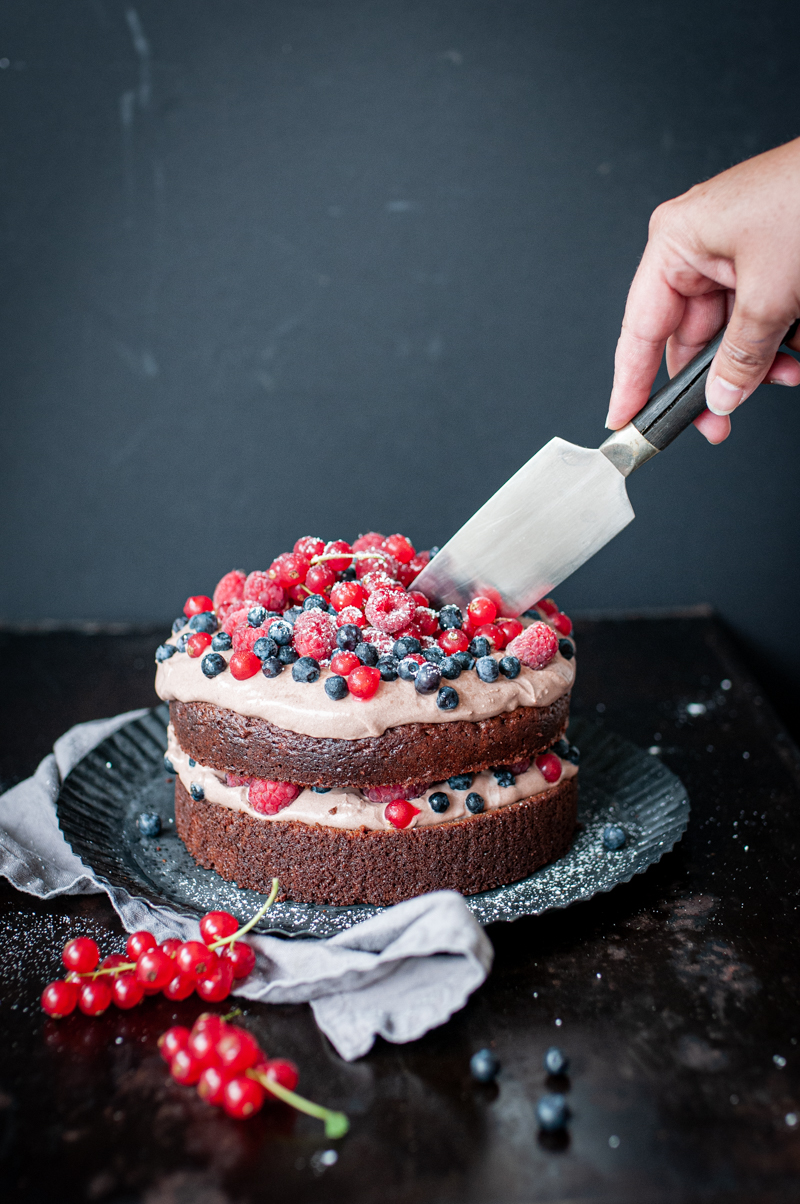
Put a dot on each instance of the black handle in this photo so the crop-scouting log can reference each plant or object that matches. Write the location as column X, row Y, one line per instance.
column 670, row 410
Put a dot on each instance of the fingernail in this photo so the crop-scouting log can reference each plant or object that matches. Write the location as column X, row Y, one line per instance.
column 778, row 382
column 607, row 424
column 722, row 397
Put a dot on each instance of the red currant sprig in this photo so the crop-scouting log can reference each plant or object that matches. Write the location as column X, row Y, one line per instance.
column 231, row 1071
column 176, row 968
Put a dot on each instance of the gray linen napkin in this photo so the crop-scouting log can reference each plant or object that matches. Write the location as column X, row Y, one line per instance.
column 397, row 975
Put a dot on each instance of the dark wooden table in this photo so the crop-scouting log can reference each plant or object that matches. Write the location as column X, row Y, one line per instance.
column 676, row 996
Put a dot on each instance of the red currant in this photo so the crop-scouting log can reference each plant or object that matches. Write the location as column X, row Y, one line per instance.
column 242, row 1097
column 202, row 1045
column 342, row 562
column 351, row 614
column 211, row 1085
column 216, row 985
column 138, row 942
column 180, row 987
column 549, row 766
column 196, row 959
column 511, row 628
column 197, row 643
column 363, row 682
column 426, row 620
column 243, row 665
column 172, row 1040
column 281, row 1071
column 562, row 623
column 366, row 543
column 184, row 1068
column 400, row 813
column 242, row 958
column 237, row 1051
column 482, row 610
column 453, row 640
column 309, row 546
column 289, row 569
column 127, row 991
column 81, row 954
column 348, row 593
column 154, row 969
column 401, row 548
column 216, row 925
column 319, row 578
column 59, row 998
column 493, row 634
column 94, row 997
column 114, row 960
column 211, row 1023
column 344, row 663
column 420, row 598
column 197, row 605
column 547, row 606
column 171, row 945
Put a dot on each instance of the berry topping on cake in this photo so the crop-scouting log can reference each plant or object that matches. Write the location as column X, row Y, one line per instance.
column 348, row 593
column 536, row 646
column 363, row 682
column 230, row 588
column 547, row 607
column 400, row 547
column 351, row 616
column 309, row 546
column 315, row 634
column 368, row 542
column 482, row 610
column 562, row 624
column 268, row 798
column 197, row 605
column 244, row 664
column 389, row 609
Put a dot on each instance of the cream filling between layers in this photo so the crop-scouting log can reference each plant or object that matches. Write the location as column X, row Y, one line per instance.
column 347, row 808
column 306, row 709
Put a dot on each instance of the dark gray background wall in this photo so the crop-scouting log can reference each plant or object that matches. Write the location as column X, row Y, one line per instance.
column 276, row 268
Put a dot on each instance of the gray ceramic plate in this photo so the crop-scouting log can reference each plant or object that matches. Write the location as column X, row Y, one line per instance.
column 123, row 776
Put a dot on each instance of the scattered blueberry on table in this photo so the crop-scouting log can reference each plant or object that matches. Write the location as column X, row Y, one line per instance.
column 484, row 1066
column 556, row 1061
column 613, row 837
column 552, row 1113
column 149, row 823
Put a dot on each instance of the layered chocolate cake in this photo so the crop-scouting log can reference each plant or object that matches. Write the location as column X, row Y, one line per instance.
column 331, row 728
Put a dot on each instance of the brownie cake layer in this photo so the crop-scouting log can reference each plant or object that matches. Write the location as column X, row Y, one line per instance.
column 337, row 866
column 416, row 752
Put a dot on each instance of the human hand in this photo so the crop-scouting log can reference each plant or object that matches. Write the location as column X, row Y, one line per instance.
column 728, row 250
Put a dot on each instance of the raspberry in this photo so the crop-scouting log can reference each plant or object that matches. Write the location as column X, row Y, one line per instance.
column 230, row 588
column 197, row 643
column 562, row 623
column 243, row 665
column 364, row 681
column 453, row 640
column 197, row 605
column 390, row 794
column 289, row 569
column 549, row 766
column 344, row 663
column 548, row 607
column 309, row 546
column 390, row 609
column 425, row 620
column 235, row 779
column 315, row 634
column 342, row 562
column 400, row 813
column 519, row 766
column 366, row 543
column 482, row 610
column 348, row 593
column 244, row 636
column 536, row 647
column 234, row 616
column 261, row 588
column 511, row 628
column 268, row 798
column 351, row 615
column 401, row 548
column 382, row 640
column 320, row 578
column 493, row 633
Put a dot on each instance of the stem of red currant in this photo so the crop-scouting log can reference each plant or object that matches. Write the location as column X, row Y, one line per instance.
column 228, row 940
column 336, row 1123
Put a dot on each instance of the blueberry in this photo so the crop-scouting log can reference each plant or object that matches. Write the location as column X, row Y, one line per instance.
column 433, row 552
column 567, row 649
column 192, row 763
column 149, row 824
column 222, row 642
column 315, row 601
column 504, row 777
column 510, row 667
column 388, row 667
column 204, row 622
column 292, row 613
column 408, row 669
column 475, row 803
column 320, row 789
column 348, row 636
column 464, row 659
column 170, row 768
column 287, row 655
column 367, row 653
column 450, row 616
column 484, row 1066
column 480, row 646
column 281, row 632
column 561, row 747
column 349, row 575
column 213, row 664
column 305, row 669
column 531, row 614
column 556, row 1061
column 487, row 668
column 335, row 687
column 450, row 668
column 574, row 755
column 179, row 624
column 446, row 699
column 182, row 641
column 613, row 837
column 271, row 667
column 439, row 802
column 433, row 654
column 164, row 652
column 256, row 615
column 265, row 646
column 460, row 781
column 428, row 678
column 197, row 792
column 405, row 646
column 552, row 1113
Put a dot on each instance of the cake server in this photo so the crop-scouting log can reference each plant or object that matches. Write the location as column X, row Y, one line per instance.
column 564, row 505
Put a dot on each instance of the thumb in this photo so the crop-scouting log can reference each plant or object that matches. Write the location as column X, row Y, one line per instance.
column 754, row 334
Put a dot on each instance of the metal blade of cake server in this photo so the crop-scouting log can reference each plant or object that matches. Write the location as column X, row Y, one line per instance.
column 543, row 524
